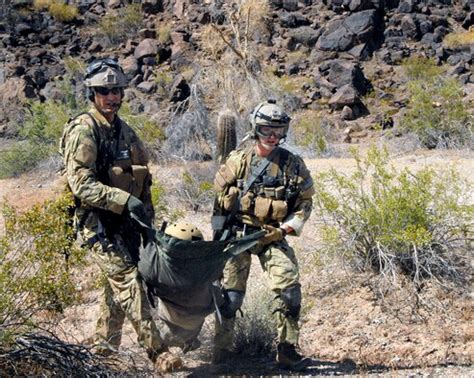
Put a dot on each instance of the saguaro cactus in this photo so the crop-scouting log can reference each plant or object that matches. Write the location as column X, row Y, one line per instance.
column 226, row 136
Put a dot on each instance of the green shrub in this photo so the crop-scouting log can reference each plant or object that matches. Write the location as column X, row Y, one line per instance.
column 21, row 157
column 255, row 330
column 390, row 221
column 436, row 112
column 35, row 277
column 58, row 9
column 163, row 211
column 123, row 25
column 148, row 130
column 44, row 122
column 308, row 131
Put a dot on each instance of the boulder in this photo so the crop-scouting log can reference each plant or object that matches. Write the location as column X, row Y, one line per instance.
column 147, row 47
column 345, row 96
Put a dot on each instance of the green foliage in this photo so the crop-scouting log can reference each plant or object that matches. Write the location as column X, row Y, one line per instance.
column 44, row 122
column 164, row 34
column 389, row 220
column 418, row 67
column 122, row 25
column 255, row 332
column 22, row 157
column 161, row 204
column 436, row 112
column 147, row 129
column 58, row 9
column 196, row 190
column 35, row 277
column 308, row 132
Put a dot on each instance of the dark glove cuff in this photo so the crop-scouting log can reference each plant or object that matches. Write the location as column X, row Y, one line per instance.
column 283, row 232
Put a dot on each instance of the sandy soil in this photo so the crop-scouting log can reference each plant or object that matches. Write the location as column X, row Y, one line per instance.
column 345, row 328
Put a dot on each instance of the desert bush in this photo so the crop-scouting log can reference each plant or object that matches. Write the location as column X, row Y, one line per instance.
column 255, row 330
column 40, row 132
column 148, row 130
column 389, row 221
column 58, row 9
column 163, row 211
column 44, row 122
column 308, row 131
column 459, row 40
column 21, row 157
column 436, row 113
column 124, row 24
column 196, row 189
column 37, row 254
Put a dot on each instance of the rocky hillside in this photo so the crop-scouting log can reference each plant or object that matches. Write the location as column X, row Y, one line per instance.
column 189, row 60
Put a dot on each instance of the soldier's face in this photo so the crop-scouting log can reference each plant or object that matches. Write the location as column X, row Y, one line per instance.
column 108, row 101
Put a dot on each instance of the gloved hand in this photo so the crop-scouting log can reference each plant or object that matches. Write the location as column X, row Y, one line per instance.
column 274, row 234
column 137, row 208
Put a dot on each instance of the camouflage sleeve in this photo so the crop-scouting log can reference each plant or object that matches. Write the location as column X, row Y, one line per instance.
column 81, row 171
column 304, row 201
column 226, row 176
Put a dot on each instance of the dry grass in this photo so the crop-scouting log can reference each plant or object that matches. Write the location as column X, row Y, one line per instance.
column 460, row 39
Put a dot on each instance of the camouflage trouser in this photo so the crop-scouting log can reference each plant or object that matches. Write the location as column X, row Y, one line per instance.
column 123, row 296
column 280, row 266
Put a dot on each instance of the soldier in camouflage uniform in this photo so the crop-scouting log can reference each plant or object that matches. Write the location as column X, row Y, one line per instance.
column 279, row 200
column 106, row 170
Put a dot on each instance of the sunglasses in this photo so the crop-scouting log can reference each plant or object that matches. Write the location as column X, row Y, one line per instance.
column 104, row 91
column 98, row 65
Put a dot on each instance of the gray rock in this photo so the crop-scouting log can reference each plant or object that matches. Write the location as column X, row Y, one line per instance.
column 304, row 35
column 409, row 27
column 347, row 113
column 344, row 96
column 146, row 87
column 147, row 47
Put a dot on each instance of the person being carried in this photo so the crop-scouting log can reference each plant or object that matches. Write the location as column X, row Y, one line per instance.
column 263, row 185
column 106, row 167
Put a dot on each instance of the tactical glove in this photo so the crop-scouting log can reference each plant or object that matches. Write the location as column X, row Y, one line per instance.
column 274, row 234
column 136, row 207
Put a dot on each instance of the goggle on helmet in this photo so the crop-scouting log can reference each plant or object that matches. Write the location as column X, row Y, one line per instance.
column 105, row 73
column 268, row 118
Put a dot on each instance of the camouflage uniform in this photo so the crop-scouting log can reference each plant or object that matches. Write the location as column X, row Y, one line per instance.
column 268, row 202
column 105, row 164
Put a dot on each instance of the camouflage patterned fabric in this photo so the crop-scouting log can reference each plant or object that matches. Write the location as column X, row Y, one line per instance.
column 286, row 174
column 92, row 154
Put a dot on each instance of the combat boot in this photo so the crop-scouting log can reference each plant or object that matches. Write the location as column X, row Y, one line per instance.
column 288, row 358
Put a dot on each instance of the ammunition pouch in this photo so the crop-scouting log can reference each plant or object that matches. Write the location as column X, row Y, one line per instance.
column 131, row 180
column 269, row 209
column 246, row 202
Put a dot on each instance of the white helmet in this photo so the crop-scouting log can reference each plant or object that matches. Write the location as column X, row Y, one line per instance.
column 269, row 114
column 184, row 231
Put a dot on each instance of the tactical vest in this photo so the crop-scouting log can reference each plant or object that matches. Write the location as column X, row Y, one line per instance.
column 273, row 194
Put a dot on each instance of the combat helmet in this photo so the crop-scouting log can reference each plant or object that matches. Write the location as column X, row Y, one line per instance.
column 184, row 231
column 106, row 73
column 268, row 114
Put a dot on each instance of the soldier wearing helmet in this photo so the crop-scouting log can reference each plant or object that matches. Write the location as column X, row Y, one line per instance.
column 106, row 167
column 263, row 186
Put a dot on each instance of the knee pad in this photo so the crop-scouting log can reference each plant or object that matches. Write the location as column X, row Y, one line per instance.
column 291, row 297
column 232, row 302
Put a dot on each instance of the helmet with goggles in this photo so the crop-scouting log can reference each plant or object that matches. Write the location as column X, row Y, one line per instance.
column 269, row 119
column 104, row 73
column 184, row 231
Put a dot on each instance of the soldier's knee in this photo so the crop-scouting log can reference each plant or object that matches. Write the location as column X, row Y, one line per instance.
column 232, row 302
column 291, row 298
